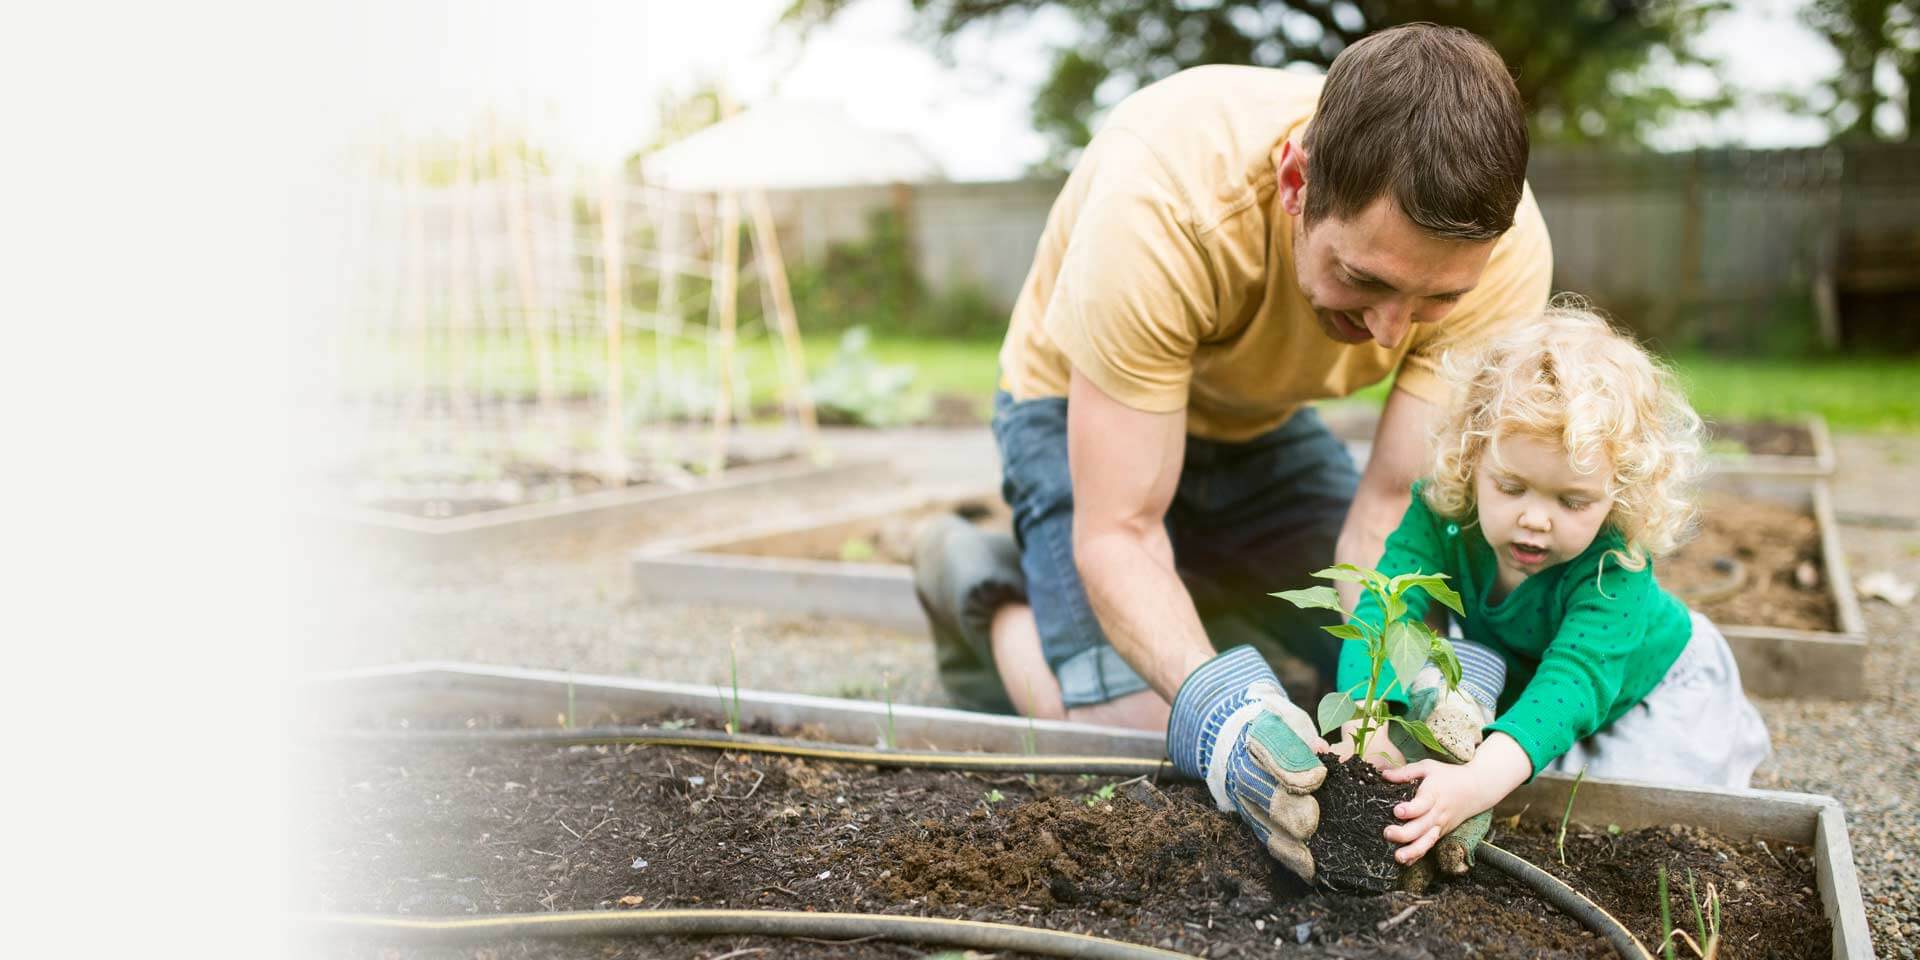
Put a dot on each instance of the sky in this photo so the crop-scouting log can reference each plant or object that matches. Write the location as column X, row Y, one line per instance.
column 588, row 76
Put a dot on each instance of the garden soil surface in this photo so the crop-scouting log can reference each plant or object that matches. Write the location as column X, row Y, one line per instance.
column 1778, row 549
column 1764, row 438
column 887, row 539
column 475, row 829
column 520, row 483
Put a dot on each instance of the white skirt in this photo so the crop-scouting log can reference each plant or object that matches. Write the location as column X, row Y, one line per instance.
column 1695, row 727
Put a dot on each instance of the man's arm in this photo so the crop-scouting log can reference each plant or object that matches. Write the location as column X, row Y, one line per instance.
column 1399, row 457
column 1126, row 466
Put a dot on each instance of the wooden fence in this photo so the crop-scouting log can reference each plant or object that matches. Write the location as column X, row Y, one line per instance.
column 1737, row 249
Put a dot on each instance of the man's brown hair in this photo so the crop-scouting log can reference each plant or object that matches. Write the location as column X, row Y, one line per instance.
column 1429, row 115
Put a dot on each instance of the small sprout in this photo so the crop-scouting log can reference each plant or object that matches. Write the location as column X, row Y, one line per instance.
column 1561, row 844
column 886, row 690
column 1102, row 795
column 733, row 667
column 995, row 796
column 1613, row 829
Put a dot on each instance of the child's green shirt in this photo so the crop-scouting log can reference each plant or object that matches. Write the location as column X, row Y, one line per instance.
column 1583, row 640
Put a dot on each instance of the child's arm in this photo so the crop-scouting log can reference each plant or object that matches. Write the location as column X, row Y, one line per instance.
column 1451, row 793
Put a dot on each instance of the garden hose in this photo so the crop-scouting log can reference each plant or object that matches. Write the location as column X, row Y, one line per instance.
column 971, row 934
column 1569, row 900
column 751, row 743
column 920, row 929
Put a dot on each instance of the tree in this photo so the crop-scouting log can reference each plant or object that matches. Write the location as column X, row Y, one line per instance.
column 1872, row 37
column 1579, row 65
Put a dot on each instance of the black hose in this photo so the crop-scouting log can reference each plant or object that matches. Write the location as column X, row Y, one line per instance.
column 1567, row 899
column 777, row 923
column 751, row 743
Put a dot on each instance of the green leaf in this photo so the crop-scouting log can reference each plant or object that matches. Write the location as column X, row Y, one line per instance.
column 1352, row 574
column 1422, row 734
column 1409, row 745
column 1440, row 652
column 1312, row 597
column 1406, row 650
column 1395, row 608
column 1346, row 631
column 1433, row 583
column 1336, row 709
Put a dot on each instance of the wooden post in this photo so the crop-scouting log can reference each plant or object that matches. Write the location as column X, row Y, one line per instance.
column 416, row 281
column 613, row 302
column 766, row 246
column 726, row 295
column 533, row 315
column 459, row 295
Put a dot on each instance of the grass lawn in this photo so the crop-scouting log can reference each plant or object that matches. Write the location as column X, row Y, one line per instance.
column 1853, row 393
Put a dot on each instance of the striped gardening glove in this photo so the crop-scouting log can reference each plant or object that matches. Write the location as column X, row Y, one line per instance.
column 1457, row 719
column 1233, row 727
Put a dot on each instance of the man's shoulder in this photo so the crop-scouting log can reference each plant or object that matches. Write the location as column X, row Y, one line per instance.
column 1213, row 129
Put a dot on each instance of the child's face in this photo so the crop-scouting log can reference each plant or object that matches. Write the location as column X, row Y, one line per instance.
column 1536, row 509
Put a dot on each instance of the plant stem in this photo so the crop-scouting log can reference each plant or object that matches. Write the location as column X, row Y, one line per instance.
column 733, row 667
column 1561, row 845
column 1377, row 650
column 1666, row 917
column 886, row 690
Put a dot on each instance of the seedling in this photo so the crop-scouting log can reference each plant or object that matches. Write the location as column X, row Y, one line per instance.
column 733, row 668
column 1561, row 844
column 886, row 690
column 1101, row 795
column 1705, row 941
column 995, row 796
column 1406, row 643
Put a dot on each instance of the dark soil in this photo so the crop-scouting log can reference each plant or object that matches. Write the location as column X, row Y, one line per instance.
column 519, row 483
column 1762, row 438
column 1775, row 578
column 887, row 539
column 1349, row 852
column 395, row 828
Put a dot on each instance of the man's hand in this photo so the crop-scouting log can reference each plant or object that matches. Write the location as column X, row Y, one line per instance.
column 1458, row 716
column 1234, row 728
column 1380, row 749
column 1453, row 807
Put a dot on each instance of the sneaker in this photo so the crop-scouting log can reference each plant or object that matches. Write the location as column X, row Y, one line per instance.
column 961, row 576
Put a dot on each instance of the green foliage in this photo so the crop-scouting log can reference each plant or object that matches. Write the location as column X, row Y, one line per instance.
column 1406, row 644
column 1588, row 71
column 855, row 388
column 871, row 282
column 1871, row 37
column 1101, row 795
column 1666, row 917
column 995, row 796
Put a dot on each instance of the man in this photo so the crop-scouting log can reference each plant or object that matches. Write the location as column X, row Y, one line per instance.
column 1235, row 243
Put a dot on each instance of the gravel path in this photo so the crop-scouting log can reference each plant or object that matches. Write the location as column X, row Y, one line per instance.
column 564, row 605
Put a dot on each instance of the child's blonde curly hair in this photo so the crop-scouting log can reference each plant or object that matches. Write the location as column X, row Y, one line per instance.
column 1569, row 377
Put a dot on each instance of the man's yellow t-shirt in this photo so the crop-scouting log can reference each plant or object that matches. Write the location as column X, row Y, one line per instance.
column 1166, row 273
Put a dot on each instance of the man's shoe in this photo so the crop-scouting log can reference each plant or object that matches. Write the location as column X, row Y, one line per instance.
column 961, row 576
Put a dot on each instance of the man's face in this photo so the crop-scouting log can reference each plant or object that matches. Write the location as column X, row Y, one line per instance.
column 1374, row 275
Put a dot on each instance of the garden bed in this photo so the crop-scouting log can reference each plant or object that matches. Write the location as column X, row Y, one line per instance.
column 582, row 510
column 1766, row 566
column 1802, row 448
column 851, row 563
column 1199, row 881
column 520, row 828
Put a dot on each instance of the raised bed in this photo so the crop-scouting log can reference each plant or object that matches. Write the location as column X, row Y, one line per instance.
column 1800, row 447
column 575, row 514
column 1783, row 650
column 799, row 565
column 1794, row 828
column 1787, row 608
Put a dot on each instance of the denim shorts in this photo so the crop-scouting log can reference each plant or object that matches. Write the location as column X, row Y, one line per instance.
column 1246, row 520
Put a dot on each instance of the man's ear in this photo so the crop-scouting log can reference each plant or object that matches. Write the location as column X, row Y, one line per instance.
column 1292, row 173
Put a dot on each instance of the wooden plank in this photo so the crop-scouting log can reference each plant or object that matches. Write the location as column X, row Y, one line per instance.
column 1778, row 662
column 1833, row 559
column 876, row 593
column 1840, row 886
column 574, row 514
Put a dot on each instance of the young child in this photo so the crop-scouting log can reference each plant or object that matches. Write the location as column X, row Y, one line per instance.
column 1562, row 468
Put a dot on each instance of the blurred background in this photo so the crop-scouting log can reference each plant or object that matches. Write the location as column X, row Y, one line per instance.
column 585, row 242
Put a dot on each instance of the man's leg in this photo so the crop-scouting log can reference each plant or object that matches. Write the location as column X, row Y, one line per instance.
column 1253, row 518
column 1054, row 660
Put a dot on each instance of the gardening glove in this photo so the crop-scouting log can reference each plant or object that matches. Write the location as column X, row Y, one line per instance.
column 1459, row 716
column 1234, row 728
column 1454, row 852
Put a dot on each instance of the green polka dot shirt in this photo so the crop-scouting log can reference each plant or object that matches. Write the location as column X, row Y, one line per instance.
column 1584, row 640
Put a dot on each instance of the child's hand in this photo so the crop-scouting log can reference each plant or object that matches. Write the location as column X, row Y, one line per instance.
column 1450, row 793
